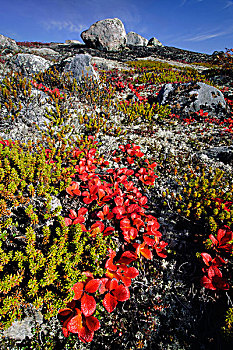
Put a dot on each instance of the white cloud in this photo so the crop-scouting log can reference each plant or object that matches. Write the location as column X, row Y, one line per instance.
column 61, row 25
column 203, row 37
column 228, row 4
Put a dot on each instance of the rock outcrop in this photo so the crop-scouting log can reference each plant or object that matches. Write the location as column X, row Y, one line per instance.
column 191, row 97
column 80, row 65
column 29, row 63
column 108, row 34
column 135, row 39
column 6, row 42
column 73, row 42
column 154, row 42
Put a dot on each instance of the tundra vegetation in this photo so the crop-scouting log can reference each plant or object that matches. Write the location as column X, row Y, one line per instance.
column 97, row 265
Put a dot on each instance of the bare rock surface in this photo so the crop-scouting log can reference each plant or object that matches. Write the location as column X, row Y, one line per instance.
column 79, row 65
column 29, row 63
column 135, row 39
column 108, row 34
column 154, row 42
column 6, row 42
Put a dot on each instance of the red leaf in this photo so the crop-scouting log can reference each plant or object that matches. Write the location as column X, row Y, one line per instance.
column 125, row 223
column 119, row 201
column 126, row 280
column 218, row 261
column 64, row 313
column 106, row 209
column 75, row 324
column 206, row 258
column 112, row 284
column 102, row 289
column 101, row 193
column 72, row 214
column 98, row 224
column 138, row 223
column 122, row 179
column 214, row 271
column 213, row 239
column 88, row 305
column 92, row 323
column 133, row 208
column 146, row 253
column 220, row 283
column 79, row 220
column 110, row 265
column 85, row 335
column 78, row 290
column 121, row 293
column 143, row 200
column 65, row 332
column 133, row 232
column 119, row 210
column 108, row 231
column 82, row 211
column 110, row 302
column 92, row 285
column 149, row 241
column 207, row 283
column 127, row 257
column 129, row 172
column 100, row 215
column 131, row 272
column 68, row 221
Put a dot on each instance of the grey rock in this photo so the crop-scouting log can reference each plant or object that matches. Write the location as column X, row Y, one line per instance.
column 73, row 42
column 223, row 154
column 29, row 63
column 189, row 98
column 106, row 64
column 6, row 42
column 44, row 51
column 108, row 34
column 135, row 39
column 154, row 42
column 19, row 330
column 79, row 65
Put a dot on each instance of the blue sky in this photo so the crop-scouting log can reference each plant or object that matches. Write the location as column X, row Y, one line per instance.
column 196, row 25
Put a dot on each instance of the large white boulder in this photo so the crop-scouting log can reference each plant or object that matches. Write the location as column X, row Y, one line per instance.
column 136, row 39
column 108, row 34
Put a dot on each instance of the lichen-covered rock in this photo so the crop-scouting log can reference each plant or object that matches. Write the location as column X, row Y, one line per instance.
column 6, row 42
column 135, row 39
column 79, row 65
column 154, row 42
column 191, row 97
column 108, row 34
column 29, row 63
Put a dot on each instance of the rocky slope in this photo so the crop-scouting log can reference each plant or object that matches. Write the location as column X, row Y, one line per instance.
column 169, row 308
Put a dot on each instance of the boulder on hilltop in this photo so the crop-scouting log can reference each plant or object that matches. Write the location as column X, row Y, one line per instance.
column 108, row 34
column 135, row 39
column 154, row 42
